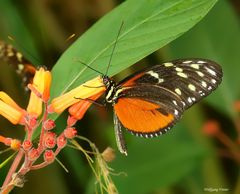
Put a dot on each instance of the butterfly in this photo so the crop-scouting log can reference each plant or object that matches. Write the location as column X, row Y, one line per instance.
column 149, row 102
column 14, row 58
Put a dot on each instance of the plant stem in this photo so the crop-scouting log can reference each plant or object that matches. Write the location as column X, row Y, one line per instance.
column 5, row 187
column 40, row 145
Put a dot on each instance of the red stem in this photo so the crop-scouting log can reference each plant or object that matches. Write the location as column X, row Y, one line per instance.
column 12, row 169
column 40, row 145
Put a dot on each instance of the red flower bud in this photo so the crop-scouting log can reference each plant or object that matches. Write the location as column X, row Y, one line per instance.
column 211, row 128
column 61, row 141
column 33, row 154
column 32, row 122
column 70, row 132
column 49, row 156
column 50, row 140
column 27, row 145
column 49, row 124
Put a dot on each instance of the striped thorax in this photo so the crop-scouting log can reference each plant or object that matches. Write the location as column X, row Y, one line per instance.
column 112, row 91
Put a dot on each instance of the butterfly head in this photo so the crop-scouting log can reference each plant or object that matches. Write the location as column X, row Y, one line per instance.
column 111, row 90
column 108, row 82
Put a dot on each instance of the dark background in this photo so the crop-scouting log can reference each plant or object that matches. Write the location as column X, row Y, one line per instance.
column 185, row 160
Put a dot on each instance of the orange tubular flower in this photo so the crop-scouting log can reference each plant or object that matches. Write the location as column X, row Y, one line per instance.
column 79, row 109
column 10, row 110
column 40, row 91
column 84, row 91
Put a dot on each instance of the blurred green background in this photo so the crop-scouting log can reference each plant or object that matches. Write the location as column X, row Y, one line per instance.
column 185, row 160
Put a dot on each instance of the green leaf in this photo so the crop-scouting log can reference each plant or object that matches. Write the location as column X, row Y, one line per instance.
column 148, row 25
column 12, row 24
column 219, row 41
column 157, row 163
column 6, row 161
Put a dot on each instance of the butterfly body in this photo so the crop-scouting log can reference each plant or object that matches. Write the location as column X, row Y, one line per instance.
column 149, row 102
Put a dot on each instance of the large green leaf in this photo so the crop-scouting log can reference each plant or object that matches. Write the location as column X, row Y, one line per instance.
column 148, row 25
column 219, row 41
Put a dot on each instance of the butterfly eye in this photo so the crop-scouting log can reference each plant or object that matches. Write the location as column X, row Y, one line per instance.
column 106, row 81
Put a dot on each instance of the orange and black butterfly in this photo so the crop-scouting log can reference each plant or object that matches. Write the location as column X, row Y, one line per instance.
column 14, row 58
column 151, row 101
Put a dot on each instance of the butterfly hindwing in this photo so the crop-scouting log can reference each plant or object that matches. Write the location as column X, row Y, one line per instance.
column 148, row 110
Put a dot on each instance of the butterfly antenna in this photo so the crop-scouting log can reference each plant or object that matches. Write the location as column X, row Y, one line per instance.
column 25, row 50
column 90, row 67
column 70, row 37
column 114, row 46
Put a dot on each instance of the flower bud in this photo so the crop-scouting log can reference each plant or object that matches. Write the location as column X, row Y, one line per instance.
column 27, row 145
column 49, row 156
column 50, row 139
column 33, row 154
column 71, row 121
column 61, row 141
column 211, row 128
column 49, row 124
column 70, row 132
column 32, row 122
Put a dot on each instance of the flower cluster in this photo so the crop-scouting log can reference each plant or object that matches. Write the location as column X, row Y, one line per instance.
column 231, row 149
column 36, row 121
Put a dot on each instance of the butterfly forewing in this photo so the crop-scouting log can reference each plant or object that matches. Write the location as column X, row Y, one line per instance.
column 172, row 86
column 14, row 58
column 190, row 79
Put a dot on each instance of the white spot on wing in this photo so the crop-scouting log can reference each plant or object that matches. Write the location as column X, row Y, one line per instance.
column 187, row 61
column 189, row 100
column 204, row 84
column 19, row 56
column 155, row 75
column 168, row 64
column 176, row 112
column 179, row 69
column 174, row 102
column 200, row 73
column 184, row 104
column 211, row 71
column 195, row 66
column 191, row 87
column 178, row 91
column 214, row 81
column 201, row 62
column 182, row 74
column 20, row 67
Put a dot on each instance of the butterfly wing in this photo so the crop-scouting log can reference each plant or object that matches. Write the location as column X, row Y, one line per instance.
column 148, row 110
column 190, row 79
column 14, row 58
column 151, row 101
